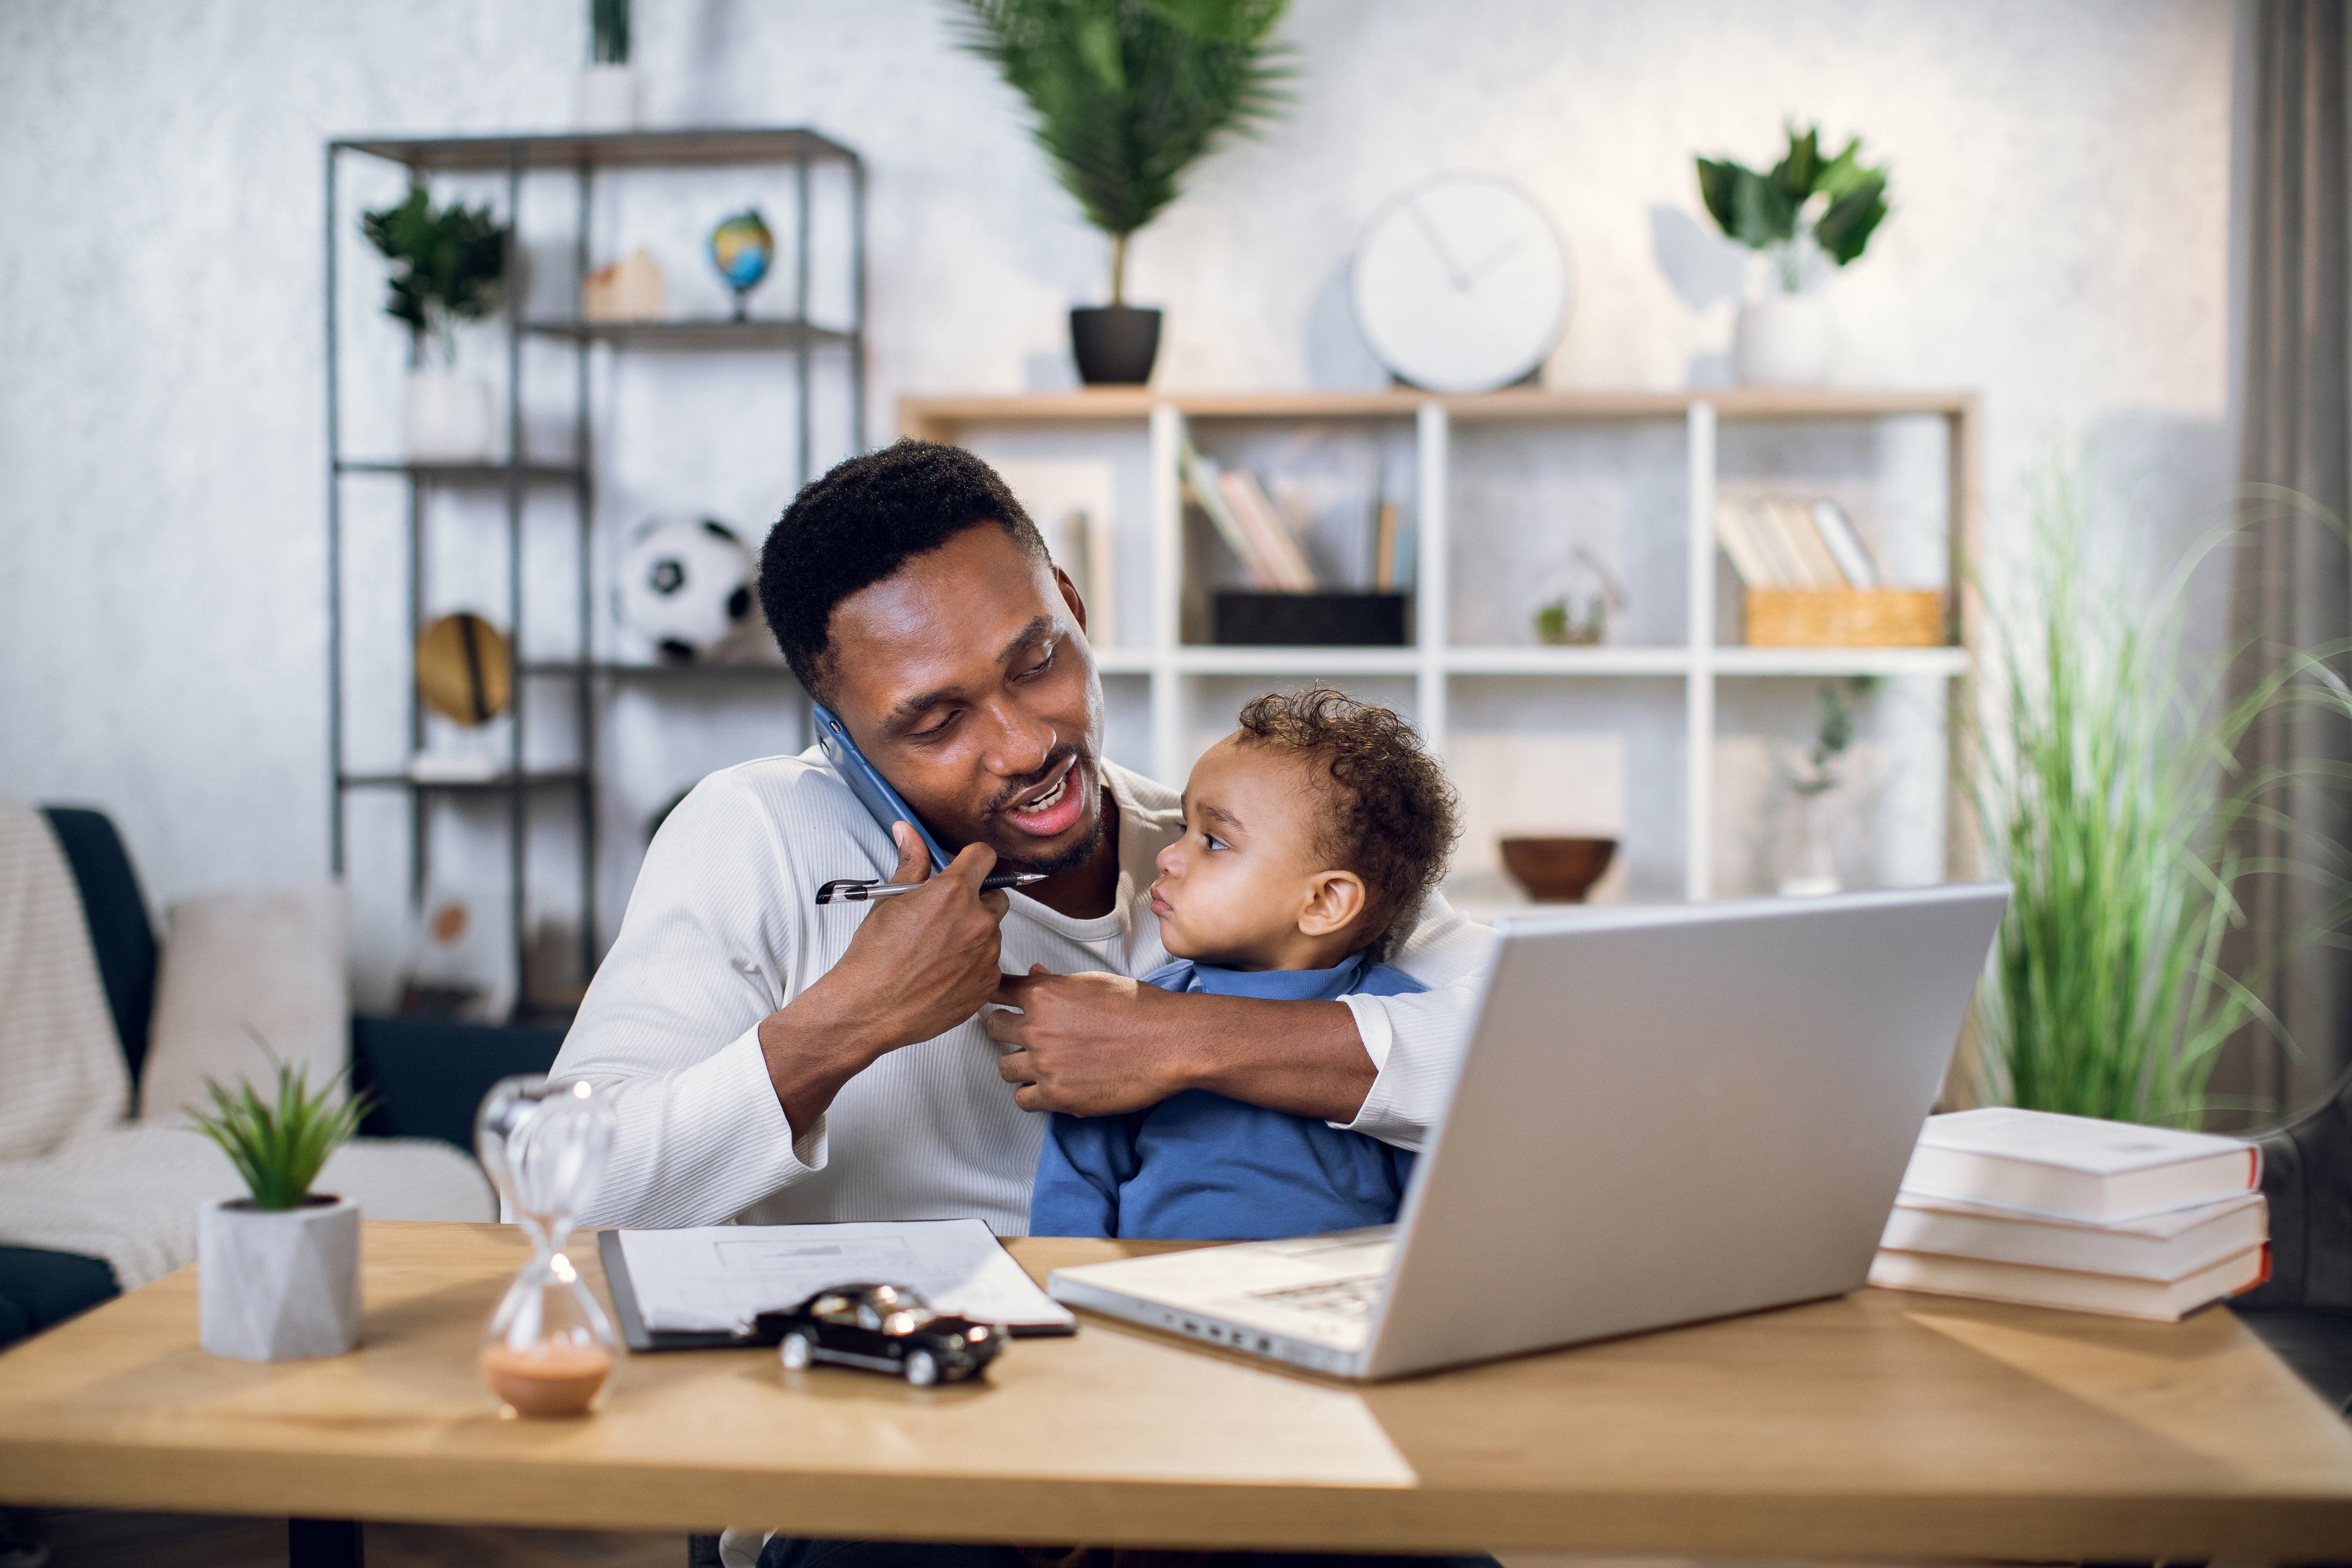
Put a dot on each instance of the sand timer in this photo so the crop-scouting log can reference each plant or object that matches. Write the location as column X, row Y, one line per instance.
column 548, row 1349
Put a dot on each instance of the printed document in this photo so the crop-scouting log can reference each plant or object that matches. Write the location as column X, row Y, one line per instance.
column 722, row 1276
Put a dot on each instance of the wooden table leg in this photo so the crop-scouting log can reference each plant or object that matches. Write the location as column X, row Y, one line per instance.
column 324, row 1543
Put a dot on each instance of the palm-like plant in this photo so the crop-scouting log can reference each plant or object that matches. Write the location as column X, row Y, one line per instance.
column 2110, row 797
column 1128, row 94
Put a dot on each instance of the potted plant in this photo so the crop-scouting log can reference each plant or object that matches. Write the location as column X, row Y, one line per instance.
column 607, row 96
column 277, row 1271
column 1809, row 866
column 2109, row 796
column 1807, row 209
column 447, row 265
column 1127, row 95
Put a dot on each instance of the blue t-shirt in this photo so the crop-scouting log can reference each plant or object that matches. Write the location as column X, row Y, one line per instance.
column 1201, row 1167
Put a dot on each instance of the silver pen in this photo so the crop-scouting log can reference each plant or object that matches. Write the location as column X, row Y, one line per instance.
column 867, row 891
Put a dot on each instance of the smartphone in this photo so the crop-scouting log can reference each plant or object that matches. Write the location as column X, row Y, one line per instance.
column 866, row 783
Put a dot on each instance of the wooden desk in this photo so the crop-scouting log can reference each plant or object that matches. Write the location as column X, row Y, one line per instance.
column 1883, row 1424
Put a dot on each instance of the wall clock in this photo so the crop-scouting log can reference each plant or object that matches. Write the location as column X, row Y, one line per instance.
column 1460, row 284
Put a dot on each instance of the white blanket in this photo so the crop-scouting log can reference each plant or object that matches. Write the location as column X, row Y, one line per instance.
column 61, row 1073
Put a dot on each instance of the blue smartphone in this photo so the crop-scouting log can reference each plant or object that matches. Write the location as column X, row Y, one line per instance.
column 866, row 783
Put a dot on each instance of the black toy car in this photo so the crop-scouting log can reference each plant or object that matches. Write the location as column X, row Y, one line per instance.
column 883, row 1328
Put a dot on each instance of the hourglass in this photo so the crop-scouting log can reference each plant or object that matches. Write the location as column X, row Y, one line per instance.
column 548, row 1349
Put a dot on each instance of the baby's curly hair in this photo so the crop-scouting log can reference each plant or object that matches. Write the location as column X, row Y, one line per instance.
column 1393, row 816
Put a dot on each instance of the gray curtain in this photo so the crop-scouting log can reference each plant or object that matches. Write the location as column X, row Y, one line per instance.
column 2293, row 583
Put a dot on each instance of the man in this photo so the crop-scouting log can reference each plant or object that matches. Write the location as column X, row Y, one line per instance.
column 773, row 1061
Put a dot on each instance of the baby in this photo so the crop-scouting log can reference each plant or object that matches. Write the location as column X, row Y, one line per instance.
column 1311, row 836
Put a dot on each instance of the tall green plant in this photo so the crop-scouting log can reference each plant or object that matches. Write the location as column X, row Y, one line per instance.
column 448, row 264
column 608, row 32
column 1128, row 94
column 1838, row 201
column 2109, row 798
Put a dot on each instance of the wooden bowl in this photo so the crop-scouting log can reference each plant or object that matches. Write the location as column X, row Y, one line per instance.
column 1557, row 870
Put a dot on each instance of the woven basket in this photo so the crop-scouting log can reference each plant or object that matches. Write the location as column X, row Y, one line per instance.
column 1845, row 618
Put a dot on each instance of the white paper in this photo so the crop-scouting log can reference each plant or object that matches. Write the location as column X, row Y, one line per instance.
column 722, row 1276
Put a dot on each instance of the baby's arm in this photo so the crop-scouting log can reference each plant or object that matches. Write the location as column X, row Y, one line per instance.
column 1087, row 1159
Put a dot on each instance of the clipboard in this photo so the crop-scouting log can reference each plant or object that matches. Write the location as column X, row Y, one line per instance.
column 637, row 1336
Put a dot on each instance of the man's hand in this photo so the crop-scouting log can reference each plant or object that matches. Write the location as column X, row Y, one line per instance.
column 1096, row 1045
column 1079, row 1043
column 918, row 966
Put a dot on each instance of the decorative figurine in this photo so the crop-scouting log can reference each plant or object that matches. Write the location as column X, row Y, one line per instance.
column 882, row 1328
column 741, row 248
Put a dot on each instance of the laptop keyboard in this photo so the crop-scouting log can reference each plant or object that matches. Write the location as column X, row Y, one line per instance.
column 1340, row 1298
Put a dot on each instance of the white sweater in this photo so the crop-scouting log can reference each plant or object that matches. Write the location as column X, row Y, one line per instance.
column 723, row 930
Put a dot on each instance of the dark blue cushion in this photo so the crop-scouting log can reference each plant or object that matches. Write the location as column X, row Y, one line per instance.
column 427, row 1075
column 116, row 913
column 38, row 1289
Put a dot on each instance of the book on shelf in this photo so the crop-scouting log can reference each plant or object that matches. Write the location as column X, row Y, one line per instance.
column 1735, row 532
column 2168, row 1246
column 2075, row 1166
column 2080, row 1290
column 1384, row 548
column 1199, row 474
column 1837, row 532
column 1247, row 500
column 1816, row 567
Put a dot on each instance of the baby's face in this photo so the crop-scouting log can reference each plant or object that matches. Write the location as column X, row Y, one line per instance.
column 1232, row 889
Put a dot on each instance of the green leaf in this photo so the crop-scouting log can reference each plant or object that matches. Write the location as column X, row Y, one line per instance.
column 1846, row 227
column 1794, row 176
column 1844, row 172
column 279, row 1147
column 1716, row 179
column 1761, row 213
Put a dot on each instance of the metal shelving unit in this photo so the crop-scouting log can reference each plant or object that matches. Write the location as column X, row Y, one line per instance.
column 584, row 678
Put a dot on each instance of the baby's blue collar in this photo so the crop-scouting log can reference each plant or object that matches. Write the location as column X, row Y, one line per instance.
column 1278, row 984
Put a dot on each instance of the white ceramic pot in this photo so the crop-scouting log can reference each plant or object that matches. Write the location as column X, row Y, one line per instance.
column 606, row 99
column 1785, row 339
column 448, row 417
column 278, row 1285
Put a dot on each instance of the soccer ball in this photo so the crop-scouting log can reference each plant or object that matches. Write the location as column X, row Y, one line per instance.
column 685, row 583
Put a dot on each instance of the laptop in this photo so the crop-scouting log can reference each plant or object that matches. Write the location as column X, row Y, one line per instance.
column 1666, row 1115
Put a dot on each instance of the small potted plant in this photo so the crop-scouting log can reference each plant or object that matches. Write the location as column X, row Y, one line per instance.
column 1809, row 867
column 448, row 263
column 607, row 99
column 1806, row 211
column 1128, row 94
column 277, row 1271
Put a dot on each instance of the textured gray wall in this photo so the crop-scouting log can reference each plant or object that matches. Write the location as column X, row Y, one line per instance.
column 2061, row 242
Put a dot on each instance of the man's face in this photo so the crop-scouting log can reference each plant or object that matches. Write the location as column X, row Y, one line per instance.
column 966, row 677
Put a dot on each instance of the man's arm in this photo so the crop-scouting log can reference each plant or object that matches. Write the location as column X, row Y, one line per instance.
column 719, row 1066
column 1097, row 1043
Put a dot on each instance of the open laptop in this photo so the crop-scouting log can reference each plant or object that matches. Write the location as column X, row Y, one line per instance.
column 1665, row 1114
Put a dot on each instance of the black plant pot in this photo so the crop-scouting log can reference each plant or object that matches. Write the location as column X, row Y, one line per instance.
column 1115, row 344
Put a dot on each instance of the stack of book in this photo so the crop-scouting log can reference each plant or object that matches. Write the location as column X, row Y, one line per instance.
column 1793, row 544
column 2065, row 1211
column 1252, row 526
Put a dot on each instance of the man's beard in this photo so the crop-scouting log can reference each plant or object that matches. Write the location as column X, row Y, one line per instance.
column 1083, row 772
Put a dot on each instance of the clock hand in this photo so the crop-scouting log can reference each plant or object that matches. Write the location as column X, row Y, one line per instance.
column 1437, row 244
column 1496, row 259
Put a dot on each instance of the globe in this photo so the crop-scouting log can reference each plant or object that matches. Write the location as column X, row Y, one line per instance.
column 741, row 248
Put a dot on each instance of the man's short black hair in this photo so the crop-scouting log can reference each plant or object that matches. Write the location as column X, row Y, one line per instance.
column 861, row 522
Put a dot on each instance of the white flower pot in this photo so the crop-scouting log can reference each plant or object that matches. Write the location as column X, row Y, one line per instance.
column 279, row 1284
column 606, row 99
column 1785, row 339
column 448, row 415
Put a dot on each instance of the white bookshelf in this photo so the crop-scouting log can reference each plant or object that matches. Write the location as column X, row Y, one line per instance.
column 1170, row 693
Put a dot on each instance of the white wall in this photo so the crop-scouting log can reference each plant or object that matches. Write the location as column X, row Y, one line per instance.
column 2060, row 242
